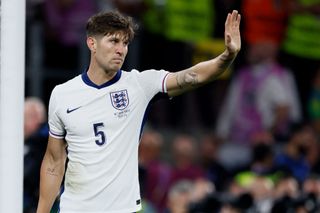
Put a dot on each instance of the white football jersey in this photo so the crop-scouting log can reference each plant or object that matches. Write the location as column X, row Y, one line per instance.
column 102, row 127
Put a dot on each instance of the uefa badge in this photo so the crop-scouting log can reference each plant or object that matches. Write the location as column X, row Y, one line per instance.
column 119, row 99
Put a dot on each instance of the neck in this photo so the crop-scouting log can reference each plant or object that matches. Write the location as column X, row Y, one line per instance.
column 100, row 76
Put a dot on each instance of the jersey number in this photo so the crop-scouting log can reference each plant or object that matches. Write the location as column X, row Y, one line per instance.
column 101, row 138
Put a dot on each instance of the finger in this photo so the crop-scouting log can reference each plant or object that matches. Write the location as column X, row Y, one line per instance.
column 228, row 20
column 234, row 15
column 228, row 39
column 238, row 19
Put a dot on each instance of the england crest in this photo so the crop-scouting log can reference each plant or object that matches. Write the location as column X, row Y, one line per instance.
column 119, row 99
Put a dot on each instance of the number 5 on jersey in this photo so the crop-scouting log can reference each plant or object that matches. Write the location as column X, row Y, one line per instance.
column 101, row 138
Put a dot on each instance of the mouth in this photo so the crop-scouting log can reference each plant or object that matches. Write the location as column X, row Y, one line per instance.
column 117, row 60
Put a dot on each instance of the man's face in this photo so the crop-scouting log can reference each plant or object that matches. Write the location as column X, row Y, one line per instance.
column 111, row 51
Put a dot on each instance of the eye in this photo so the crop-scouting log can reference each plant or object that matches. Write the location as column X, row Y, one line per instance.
column 114, row 40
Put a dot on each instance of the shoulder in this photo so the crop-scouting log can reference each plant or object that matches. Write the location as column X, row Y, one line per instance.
column 68, row 85
column 63, row 91
column 150, row 74
column 142, row 72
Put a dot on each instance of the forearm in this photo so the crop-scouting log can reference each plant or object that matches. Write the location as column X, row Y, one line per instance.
column 202, row 73
column 207, row 71
column 51, row 175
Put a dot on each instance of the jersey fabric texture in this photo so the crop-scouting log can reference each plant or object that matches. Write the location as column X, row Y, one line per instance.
column 102, row 127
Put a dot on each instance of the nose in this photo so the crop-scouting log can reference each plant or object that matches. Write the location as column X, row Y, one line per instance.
column 121, row 49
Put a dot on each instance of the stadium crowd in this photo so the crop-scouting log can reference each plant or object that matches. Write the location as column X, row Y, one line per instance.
column 248, row 142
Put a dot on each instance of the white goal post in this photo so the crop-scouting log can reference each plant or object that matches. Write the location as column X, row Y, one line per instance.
column 12, row 66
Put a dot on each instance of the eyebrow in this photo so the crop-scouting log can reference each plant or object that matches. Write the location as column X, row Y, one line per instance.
column 120, row 36
column 117, row 39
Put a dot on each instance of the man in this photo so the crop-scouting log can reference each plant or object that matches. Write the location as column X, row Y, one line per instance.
column 99, row 115
column 35, row 143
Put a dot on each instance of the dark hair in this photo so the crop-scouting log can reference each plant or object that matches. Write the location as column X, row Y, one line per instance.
column 105, row 23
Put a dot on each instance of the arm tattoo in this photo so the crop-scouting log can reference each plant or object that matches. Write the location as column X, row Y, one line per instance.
column 185, row 79
column 51, row 172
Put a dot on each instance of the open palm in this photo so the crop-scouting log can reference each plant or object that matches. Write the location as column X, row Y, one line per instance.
column 232, row 32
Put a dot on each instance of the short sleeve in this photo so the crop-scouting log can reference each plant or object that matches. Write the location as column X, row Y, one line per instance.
column 56, row 127
column 153, row 82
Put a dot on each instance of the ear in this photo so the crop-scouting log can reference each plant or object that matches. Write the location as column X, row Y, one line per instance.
column 92, row 44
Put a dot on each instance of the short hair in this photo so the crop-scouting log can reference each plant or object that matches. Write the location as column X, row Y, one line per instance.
column 105, row 23
column 35, row 105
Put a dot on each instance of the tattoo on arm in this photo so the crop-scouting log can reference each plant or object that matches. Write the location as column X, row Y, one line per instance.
column 52, row 172
column 186, row 78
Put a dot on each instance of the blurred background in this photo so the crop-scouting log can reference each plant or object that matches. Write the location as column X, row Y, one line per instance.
column 248, row 142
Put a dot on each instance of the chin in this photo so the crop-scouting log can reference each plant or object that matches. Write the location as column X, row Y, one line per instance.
column 118, row 68
column 112, row 69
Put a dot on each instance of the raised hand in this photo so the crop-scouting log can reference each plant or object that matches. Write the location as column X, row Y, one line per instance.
column 232, row 32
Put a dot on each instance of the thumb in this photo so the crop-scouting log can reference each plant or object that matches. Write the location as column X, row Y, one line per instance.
column 228, row 39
